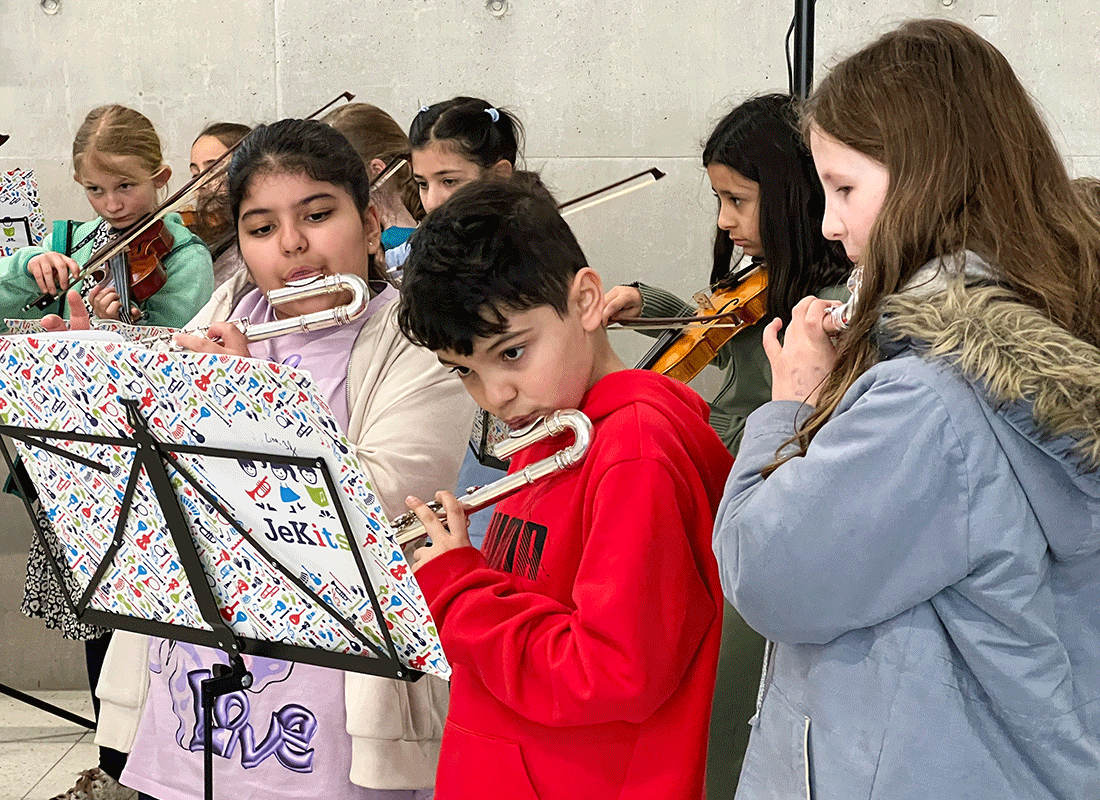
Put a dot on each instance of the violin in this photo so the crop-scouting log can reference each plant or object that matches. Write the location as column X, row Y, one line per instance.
column 190, row 217
column 693, row 341
column 137, row 273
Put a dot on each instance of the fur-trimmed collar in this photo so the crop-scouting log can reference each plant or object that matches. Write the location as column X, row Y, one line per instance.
column 1014, row 353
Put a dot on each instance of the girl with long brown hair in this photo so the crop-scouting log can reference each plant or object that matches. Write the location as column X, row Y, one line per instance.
column 378, row 140
column 935, row 630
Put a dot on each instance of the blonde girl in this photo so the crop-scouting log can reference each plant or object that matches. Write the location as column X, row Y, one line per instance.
column 117, row 160
column 913, row 519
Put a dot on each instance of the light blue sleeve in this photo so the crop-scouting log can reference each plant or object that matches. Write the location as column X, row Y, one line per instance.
column 870, row 522
column 474, row 474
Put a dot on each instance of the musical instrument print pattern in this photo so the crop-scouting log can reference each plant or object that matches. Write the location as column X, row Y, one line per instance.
column 218, row 402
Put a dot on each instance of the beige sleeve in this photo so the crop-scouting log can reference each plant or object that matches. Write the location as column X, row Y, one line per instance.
column 410, row 419
column 122, row 689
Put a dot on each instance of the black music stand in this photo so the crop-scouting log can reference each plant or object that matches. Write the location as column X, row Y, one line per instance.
column 155, row 458
column 22, row 480
column 481, row 442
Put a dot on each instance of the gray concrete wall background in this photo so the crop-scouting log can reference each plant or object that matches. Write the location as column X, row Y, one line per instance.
column 604, row 90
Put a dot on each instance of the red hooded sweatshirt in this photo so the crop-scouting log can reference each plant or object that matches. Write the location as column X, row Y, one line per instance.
column 584, row 635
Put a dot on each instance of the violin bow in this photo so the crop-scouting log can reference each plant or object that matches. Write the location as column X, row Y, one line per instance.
column 123, row 240
column 343, row 95
column 611, row 191
column 669, row 323
column 396, row 163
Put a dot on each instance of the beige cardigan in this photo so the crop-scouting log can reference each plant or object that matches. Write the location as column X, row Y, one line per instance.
column 410, row 420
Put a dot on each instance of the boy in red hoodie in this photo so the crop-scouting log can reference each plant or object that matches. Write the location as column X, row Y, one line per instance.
column 584, row 635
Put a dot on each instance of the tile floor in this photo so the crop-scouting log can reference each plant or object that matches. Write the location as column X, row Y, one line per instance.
column 40, row 754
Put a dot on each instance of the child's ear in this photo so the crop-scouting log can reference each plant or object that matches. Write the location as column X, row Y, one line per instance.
column 501, row 169
column 375, row 167
column 160, row 180
column 372, row 230
column 587, row 293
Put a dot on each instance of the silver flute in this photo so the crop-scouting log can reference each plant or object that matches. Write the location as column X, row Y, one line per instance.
column 318, row 320
column 295, row 290
column 407, row 528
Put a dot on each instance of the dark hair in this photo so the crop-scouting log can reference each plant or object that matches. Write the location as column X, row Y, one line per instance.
column 532, row 181
column 467, row 124
column 494, row 246
column 760, row 139
column 300, row 146
column 212, row 222
column 228, row 133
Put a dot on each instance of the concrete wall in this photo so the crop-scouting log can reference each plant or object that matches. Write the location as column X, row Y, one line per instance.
column 605, row 89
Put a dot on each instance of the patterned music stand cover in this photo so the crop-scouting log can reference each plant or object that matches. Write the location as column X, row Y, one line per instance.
column 241, row 407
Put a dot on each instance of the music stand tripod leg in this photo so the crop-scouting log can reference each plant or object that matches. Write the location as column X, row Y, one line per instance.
column 30, row 700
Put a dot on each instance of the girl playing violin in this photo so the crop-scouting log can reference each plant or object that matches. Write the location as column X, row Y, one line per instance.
column 378, row 139
column 913, row 518
column 210, row 216
column 769, row 206
column 300, row 197
column 117, row 160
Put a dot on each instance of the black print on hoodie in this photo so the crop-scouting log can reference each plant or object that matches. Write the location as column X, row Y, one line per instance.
column 514, row 545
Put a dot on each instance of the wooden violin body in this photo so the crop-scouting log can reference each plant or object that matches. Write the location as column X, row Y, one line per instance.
column 683, row 353
column 138, row 272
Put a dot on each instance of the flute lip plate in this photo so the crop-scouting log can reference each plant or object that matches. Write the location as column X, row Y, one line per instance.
column 297, row 283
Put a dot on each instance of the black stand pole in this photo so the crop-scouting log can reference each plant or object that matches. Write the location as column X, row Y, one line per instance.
column 803, row 47
column 226, row 680
column 22, row 483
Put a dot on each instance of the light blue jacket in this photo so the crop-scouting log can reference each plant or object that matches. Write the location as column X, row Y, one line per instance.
column 930, row 568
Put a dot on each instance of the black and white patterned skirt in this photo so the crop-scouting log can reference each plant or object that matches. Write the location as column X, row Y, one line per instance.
column 42, row 595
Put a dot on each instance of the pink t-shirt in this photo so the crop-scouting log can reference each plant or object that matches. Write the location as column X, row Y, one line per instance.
column 286, row 736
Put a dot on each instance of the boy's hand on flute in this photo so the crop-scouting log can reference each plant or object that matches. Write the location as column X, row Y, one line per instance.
column 451, row 536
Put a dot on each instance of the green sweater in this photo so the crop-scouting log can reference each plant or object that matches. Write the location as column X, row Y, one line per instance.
column 748, row 375
column 188, row 266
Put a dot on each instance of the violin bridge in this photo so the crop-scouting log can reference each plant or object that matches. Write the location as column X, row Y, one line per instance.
column 702, row 301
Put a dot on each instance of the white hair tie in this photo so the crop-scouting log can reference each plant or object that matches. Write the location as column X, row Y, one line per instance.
column 494, row 115
column 422, row 109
